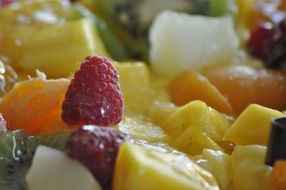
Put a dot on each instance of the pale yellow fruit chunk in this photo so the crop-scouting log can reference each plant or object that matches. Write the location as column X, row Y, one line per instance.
column 218, row 163
column 58, row 50
column 197, row 114
column 252, row 126
column 193, row 141
column 248, row 170
column 141, row 169
column 134, row 81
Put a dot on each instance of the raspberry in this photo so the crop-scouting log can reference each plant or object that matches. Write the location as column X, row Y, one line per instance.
column 96, row 148
column 94, row 96
column 262, row 40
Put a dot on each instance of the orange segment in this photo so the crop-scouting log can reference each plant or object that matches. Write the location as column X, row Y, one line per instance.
column 35, row 106
column 192, row 85
column 243, row 85
column 278, row 175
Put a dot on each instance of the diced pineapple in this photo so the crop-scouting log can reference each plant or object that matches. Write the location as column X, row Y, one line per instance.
column 197, row 114
column 20, row 22
column 59, row 50
column 193, row 141
column 134, row 81
column 248, row 170
column 141, row 128
column 139, row 168
column 218, row 163
column 252, row 125
column 159, row 111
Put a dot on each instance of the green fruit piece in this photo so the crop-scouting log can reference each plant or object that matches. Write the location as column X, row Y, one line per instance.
column 221, row 7
column 62, row 47
column 139, row 168
column 16, row 153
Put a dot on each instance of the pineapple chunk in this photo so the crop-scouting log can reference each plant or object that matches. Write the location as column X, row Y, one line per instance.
column 58, row 50
column 197, row 114
column 138, row 168
column 140, row 128
column 193, row 141
column 252, row 125
column 218, row 163
column 248, row 170
column 20, row 22
column 134, row 81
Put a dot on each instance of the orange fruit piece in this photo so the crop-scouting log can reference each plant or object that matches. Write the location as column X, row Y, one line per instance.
column 243, row 85
column 278, row 175
column 35, row 106
column 192, row 85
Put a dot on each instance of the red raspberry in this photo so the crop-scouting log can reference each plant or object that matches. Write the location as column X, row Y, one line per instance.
column 96, row 148
column 94, row 96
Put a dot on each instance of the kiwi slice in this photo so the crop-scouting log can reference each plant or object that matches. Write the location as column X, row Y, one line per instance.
column 16, row 154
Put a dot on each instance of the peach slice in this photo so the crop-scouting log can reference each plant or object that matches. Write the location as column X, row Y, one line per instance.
column 192, row 85
column 35, row 106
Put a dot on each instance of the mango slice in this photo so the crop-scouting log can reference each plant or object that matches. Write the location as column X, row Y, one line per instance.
column 252, row 126
column 141, row 169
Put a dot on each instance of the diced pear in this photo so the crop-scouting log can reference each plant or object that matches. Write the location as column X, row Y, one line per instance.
column 181, row 41
column 197, row 114
column 252, row 126
column 141, row 169
column 134, row 81
column 193, row 141
column 58, row 50
column 248, row 170
column 218, row 163
column 52, row 170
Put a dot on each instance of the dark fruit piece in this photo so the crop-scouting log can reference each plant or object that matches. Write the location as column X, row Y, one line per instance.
column 282, row 28
column 277, row 57
column 276, row 143
column 94, row 96
column 262, row 40
column 16, row 153
column 96, row 147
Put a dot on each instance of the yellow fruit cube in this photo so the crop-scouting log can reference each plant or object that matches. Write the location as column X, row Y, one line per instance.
column 58, row 50
column 142, row 128
column 252, row 125
column 218, row 163
column 134, row 81
column 193, row 141
column 197, row 114
column 142, row 169
column 248, row 170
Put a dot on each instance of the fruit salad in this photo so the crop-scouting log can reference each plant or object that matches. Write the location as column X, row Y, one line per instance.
column 142, row 94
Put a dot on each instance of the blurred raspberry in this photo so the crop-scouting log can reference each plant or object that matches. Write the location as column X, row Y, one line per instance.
column 94, row 96
column 96, row 148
